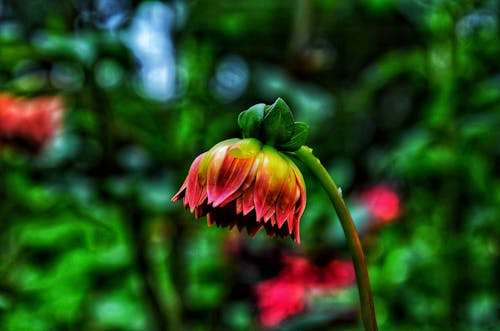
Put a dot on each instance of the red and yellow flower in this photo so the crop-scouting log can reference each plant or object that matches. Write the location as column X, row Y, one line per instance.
column 247, row 184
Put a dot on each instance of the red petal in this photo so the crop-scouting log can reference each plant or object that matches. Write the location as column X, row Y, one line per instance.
column 287, row 199
column 248, row 186
column 300, row 205
column 233, row 174
column 270, row 179
column 180, row 194
column 292, row 215
column 217, row 156
column 248, row 205
column 269, row 216
column 195, row 187
column 252, row 174
column 203, row 196
column 200, row 211
column 239, row 206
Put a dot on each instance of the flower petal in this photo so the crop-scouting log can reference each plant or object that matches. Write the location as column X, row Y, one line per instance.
column 248, row 205
column 270, row 179
column 216, row 159
column 234, row 171
column 287, row 199
column 200, row 210
column 181, row 193
column 231, row 175
column 301, row 203
column 239, row 206
column 296, row 228
column 291, row 216
column 194, row 187
column 248, row 186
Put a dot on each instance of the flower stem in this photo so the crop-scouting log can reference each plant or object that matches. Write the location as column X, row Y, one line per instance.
column 318, row 170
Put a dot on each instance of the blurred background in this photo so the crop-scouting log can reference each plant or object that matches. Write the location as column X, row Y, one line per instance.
column 403, row 101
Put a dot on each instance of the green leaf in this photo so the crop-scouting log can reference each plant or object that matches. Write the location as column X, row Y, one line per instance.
column 250, row 121
column 278, row 123
column 298, row 139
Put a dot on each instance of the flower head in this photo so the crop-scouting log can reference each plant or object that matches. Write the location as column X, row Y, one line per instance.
column 31, row 123
column 244, row 183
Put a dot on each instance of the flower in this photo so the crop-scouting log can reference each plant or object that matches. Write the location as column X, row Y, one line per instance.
column 277, row 299
column 288, row 293
column 31, row 123
column 244, row 183
column 382, row 203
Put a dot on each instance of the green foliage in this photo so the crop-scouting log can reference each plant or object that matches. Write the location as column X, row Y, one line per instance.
column 405, row 93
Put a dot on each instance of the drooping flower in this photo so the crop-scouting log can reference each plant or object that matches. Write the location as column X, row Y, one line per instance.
column 244, row 183
column 29, row 123
column 382, row 203
column 288, row 293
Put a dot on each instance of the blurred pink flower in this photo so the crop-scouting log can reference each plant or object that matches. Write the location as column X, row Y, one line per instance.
column 243, row 183
column 29, row 123
column 278, row 299
column 382, row 202
column 288, row 293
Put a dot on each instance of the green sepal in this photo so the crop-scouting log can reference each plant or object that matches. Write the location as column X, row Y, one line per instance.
column 300, row 134
column 278, row 125
column 250, row 121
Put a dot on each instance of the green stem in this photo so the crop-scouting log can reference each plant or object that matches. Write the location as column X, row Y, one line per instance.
column 365, row 295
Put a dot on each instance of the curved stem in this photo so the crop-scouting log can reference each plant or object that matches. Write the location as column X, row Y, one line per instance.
column 365, row 295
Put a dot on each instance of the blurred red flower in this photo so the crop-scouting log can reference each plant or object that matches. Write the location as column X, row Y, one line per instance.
column 243, row 183
column 29, row 123
column 382, row 202
column 288, row 293
column 278, row 299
